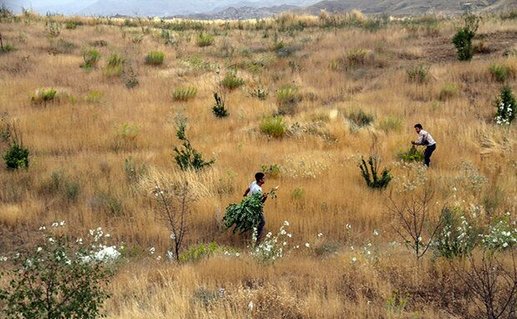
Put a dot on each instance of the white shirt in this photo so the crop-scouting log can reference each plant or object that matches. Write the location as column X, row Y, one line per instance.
column 424, row 135
column 254, row 188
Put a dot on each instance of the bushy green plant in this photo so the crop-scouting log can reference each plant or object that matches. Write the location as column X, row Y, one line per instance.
column 219, row 108
column 16, row 156
column 357, row 57
column 115, row 65
column 187, row 157
column 205, row 40
column 506, row 107
column 370, row 173
column 231, row 81
column 198, row 252
column 501, row 72
column 273, row 126
column 462, row 40
column 58, row 278
column 71, row 25
column 90, row 57
column 44, row 96
column 246, row 215
column 184, row 93
column 411, row 155
column 360, row 118
column 418, row 73
column 456, row 236
column 155, row 58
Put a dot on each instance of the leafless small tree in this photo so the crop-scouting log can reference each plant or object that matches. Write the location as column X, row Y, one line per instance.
column 414, row 219
column 492, row 283
column 174, row 208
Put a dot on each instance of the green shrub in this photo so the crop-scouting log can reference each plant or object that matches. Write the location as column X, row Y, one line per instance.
column 371, row 176
column 360, row 118
column 126, row 136
column 357, row 57
column 187, row 157
column 44, row 96
column 115, row 65
column 90, row 57
column 462, row 40
column 52, row 28
column 411, row 155
column 456, row 237
column 287, row 98
column 16, row 156
column 418, row 74
column 273, row 126
column 205, row 40
column 501, row 72
column 219, row 108
column 448, row 91
column 502, row 234
column 155, row 58
column 198, row 252
column 390, row 124
column 184, row 93
column 231, row 81
column 244, row 216
column 506, row 107
column 71, row 25
column 57, row 278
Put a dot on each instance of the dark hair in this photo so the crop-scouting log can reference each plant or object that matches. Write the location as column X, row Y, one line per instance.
column 418, row 125
column 259, row 176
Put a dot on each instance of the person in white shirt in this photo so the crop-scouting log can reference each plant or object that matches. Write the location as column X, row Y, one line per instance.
column 424, row 138
column 256, row 187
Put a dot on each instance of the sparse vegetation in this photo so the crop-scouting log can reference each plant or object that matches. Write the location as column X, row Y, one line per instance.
column 205, row 40
column 115, row 65
column 418, row 74
column 90, row 57
column 360, row 118
column 184, row 93
column 231, row 81
column 501, row 72
column 155, row 58
column 273, row 126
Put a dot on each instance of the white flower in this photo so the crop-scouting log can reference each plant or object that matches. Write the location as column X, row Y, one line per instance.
column 237, row 254
column 289, row 235
column 39, row 249
column 307, row 245
column 286, row 223
column 348, row 226
column 152, row 250
column 375, row 232
column 62, row 223
column 354, row 259
column 55, row 224
column 320, row 235
column 505, row 245
column 42, row 228
column 250, row 306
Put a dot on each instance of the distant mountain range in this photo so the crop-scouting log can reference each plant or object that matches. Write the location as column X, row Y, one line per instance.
column 235, row 9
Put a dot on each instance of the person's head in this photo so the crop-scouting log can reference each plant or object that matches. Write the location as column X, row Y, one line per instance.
column 418, row 127
column 260, row 178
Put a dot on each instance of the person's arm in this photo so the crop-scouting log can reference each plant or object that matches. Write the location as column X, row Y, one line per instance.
column 246, row 192
column 264, row 197
column 419, row 140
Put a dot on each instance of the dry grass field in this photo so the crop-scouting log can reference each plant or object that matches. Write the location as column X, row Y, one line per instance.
column 98, row 147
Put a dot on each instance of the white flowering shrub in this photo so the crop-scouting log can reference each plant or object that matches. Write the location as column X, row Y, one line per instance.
column 501, row 235
column 58, row 278
column 273, row 247
column 457, row 237
column 506, row 105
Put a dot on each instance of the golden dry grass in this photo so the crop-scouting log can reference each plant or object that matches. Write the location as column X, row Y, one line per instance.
column 321, row 190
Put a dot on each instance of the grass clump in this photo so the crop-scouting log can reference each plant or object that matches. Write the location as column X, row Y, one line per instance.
column 358, row 57
column 231, row 81
column 90, row 57
column 44, row 96
column 115, row 65
column 94, row 96
column 391, row 124
column 61, row 46
column 448, row 91
column 360, row 118
column 501, row 72
column 205, row 40
column 273, row 126
column 287, row 98
column 197, row 252
column 155, row 58
column 418, row 74
column 184, row 93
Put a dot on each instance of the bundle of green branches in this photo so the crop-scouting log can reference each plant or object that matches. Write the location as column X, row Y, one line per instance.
column 245, row 215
